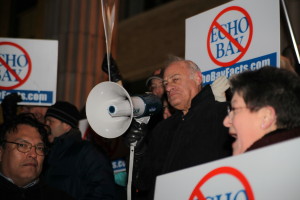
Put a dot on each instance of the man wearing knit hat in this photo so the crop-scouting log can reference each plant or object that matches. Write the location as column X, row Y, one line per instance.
column 155, row 83
column 62, row 117
column 73, row 165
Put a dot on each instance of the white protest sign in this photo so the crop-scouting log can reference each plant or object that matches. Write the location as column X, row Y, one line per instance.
column 234, row 37
column 271, row 172
column 29, row 67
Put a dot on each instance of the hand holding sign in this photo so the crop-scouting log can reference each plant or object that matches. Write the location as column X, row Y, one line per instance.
column 219, row 87
column 9, row 106
column 114, row 70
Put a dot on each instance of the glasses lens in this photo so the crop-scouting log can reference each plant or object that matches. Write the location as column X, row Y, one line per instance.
column 23, row 147
column 41, row 150
column 229, row 109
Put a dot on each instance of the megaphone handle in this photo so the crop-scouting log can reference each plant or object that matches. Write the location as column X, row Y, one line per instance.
column 131, row 159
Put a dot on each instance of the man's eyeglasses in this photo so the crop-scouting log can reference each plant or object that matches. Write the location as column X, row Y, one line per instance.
column 40, row 149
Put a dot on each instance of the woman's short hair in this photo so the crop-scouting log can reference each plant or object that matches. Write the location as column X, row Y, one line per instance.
column 271, row 86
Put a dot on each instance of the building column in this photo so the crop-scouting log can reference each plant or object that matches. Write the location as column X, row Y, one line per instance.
column 78, row 26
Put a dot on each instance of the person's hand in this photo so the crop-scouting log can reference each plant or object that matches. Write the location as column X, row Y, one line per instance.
column 115, row 75
column 9, row 106
column 219, row 86
column 136, row 134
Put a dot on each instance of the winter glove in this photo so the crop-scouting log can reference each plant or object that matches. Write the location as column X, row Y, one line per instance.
column 115, row 75
column 9, row 106
column 219, row 87
column 137, row 133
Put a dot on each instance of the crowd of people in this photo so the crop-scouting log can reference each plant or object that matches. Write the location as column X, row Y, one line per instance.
column 43, row 155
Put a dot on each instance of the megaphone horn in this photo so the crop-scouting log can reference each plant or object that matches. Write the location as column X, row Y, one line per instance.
column 110, row 109
column 106, row 100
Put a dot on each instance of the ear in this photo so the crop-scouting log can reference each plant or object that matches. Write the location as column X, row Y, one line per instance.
column 66, row 127
column 268, row 118
column 198, row 78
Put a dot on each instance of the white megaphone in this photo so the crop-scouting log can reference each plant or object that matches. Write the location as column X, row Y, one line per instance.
column 110, row 109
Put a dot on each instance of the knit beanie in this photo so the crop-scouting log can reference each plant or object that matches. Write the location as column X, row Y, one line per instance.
column 158, row 74
column 148, row 81
column 65, row 112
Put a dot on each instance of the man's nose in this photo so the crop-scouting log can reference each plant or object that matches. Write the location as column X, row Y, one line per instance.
column 32, row 152
column 169, row 87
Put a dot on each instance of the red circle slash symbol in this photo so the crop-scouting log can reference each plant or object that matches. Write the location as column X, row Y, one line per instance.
column 197, row 193
column 227, row 32
column 19, row 80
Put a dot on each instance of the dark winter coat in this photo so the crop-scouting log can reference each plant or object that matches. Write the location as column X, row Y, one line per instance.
column 76, row 167
column 275, row 137
column 39, row 191
column 184, row 141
